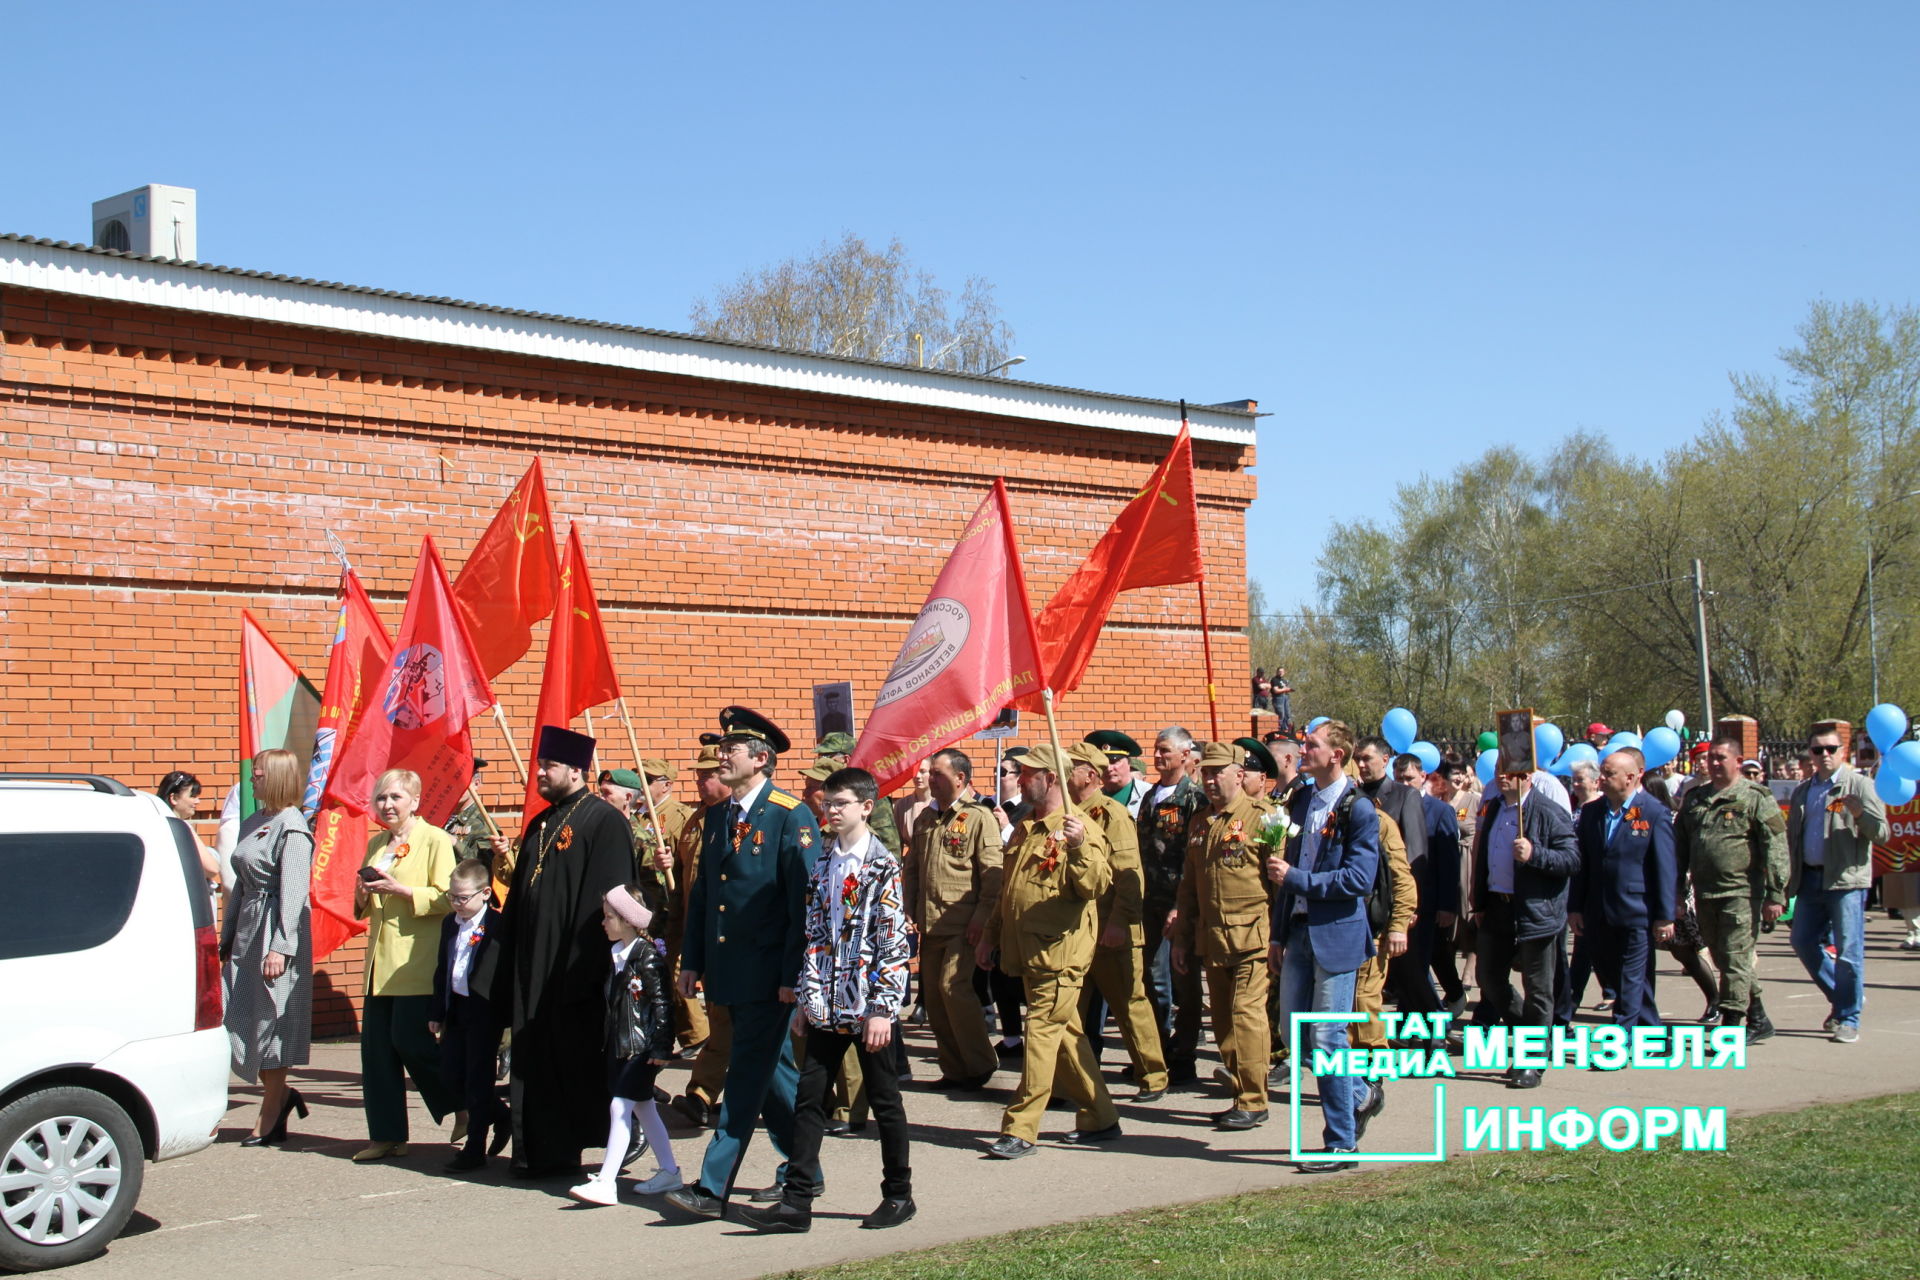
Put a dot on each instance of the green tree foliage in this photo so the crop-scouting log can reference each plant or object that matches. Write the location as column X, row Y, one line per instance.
column 851, row 299
column 1563, row 582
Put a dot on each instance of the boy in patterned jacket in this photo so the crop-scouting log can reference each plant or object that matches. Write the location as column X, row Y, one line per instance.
column 853, row 981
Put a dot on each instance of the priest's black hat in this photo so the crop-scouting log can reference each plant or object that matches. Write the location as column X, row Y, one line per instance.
column 566, row 746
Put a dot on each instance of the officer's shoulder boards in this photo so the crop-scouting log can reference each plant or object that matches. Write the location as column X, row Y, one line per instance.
column 782, row 799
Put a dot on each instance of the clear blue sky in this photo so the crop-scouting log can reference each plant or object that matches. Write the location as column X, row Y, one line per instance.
column 1410, row 231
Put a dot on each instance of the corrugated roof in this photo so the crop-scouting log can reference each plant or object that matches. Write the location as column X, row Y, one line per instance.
column 983, row 381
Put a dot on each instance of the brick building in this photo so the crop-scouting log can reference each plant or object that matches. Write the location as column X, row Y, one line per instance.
column 178, row 439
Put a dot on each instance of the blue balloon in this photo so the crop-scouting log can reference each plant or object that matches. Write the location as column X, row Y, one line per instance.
column 1886, row 725
column 1428, row 753
column 1484, row 766
column 1904, row 760
column 1660, row 745
column 1399, row 728
column 1622, row 739
column 1579, row 753
column 1894, row 788
column 1547, row 742
column 1562, row 767
column 1316, row 722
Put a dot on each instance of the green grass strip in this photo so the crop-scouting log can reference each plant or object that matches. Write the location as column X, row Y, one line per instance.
column 1827, row 1191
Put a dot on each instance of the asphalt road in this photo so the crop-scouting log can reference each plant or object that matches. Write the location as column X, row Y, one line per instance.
column 306, row 1212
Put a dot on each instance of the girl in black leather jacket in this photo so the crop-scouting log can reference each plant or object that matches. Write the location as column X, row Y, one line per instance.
column 639, row 1043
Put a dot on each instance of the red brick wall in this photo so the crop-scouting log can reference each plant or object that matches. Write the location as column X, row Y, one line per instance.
column 160, row 471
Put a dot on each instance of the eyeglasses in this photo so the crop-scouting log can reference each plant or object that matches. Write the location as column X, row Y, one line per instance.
column 843, row 802
column 462, row 899
column 1823, row 748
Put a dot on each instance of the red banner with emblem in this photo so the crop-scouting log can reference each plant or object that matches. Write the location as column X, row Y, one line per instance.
column 971, row 651
column 434, row 685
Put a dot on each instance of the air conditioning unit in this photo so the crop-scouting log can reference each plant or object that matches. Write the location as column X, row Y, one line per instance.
column 153, row 221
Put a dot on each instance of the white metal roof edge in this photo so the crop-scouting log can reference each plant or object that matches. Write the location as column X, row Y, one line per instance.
column 85, row 272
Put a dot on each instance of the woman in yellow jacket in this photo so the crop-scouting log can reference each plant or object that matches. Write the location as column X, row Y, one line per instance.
column 403, row 894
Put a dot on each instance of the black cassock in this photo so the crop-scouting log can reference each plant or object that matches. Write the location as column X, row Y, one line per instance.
column 553, row 974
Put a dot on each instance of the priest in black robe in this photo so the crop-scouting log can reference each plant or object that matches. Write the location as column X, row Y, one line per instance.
column 553, row 960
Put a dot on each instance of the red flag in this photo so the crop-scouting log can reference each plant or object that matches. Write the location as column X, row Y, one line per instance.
column 511, row 576
column 971, row 651
column 579, row 672
column 1155, row 542
column 434, row 685
column 361, row 651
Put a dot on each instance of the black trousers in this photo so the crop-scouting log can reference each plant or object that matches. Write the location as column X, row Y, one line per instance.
column 825, row 1052
column 1623, row 957
column 1500, row 953
column 469, row 1053
column 1006, row 995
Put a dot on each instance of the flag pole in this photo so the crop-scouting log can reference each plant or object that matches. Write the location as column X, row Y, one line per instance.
column 513, row 749
column 1053, row 736
column 1206, row 647
column 473, row 798
column 646, row 789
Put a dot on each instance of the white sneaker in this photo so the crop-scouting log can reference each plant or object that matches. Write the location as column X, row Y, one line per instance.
column 1829, row 1025
column 1846, row 1033
column 659, row 1184
column 597, row 1191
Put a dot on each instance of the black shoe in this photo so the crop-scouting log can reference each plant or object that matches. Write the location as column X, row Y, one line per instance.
column 691, row 1052
column 853, row 1130
column 635, row 1149
column 695, row 1200
column 1149, row 1095
column 695, row 1111
column 837, row 1129
column 1008, row 1147
column 970, row 1084
column 768, row 1195
column 1759, row 1025
column 1181, row 1073
column 891, row 1213
column 1008, row 1050
column 1080, row 1137
column 1280, row 1077
column 1330, row 1161
column 777, row 1217
column 502, row 1133
column 1240, row 1118
column 278, row 1134
column 1528, row 1079
column 1376, row 1103
column 465, row 1161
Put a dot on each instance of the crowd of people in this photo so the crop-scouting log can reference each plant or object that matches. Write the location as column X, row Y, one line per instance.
column 777, row 938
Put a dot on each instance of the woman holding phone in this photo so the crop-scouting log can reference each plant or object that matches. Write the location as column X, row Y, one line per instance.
column 402, row 894
column 266, row 946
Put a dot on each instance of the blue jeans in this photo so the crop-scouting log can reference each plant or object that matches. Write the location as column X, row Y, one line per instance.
column 1307, row 988
column 1841, row 979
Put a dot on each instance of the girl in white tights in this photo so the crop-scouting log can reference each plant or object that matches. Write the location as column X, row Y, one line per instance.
column 639, row 1042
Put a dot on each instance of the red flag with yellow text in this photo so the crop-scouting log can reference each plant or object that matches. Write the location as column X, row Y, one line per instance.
column 1154, row 542
column 433, row 686
column 357, row 662
column 971, row 651
column 511, row 577
column 579, row 672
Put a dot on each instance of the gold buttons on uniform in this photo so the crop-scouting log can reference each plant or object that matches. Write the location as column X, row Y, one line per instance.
column 723, row 906
column 723, row 878
column 723, row 937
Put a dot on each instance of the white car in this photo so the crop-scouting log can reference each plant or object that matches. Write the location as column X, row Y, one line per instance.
column 111, row 1048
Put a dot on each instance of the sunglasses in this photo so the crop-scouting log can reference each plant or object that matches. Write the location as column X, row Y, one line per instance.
column 1822, row 748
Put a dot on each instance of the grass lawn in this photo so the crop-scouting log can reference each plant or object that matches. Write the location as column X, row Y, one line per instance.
column 1829, row 1191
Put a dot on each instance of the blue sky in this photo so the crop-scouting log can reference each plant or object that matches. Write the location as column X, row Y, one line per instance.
column 1411, row 231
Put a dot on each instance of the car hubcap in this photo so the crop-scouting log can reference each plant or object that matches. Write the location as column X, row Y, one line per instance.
column 58, row 1180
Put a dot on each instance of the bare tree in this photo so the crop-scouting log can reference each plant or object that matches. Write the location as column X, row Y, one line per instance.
column 850, row 299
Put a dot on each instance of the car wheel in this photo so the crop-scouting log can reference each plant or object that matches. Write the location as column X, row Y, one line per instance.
column 71, row 1164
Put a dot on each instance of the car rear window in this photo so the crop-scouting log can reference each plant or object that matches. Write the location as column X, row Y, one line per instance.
column 65, row 891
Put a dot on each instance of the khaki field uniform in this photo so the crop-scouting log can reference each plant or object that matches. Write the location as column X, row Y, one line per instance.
column 1119, row 973
column 1369, row 985
column 1733, row 844
column 1223, row 925
column 951, row 881
column 1045, row 932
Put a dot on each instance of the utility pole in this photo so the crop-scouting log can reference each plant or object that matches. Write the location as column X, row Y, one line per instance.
column 1700, row 637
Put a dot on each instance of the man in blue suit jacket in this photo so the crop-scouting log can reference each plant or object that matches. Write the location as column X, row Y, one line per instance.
column 745, row 934
column 1623, row 896
column 1321, row 935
